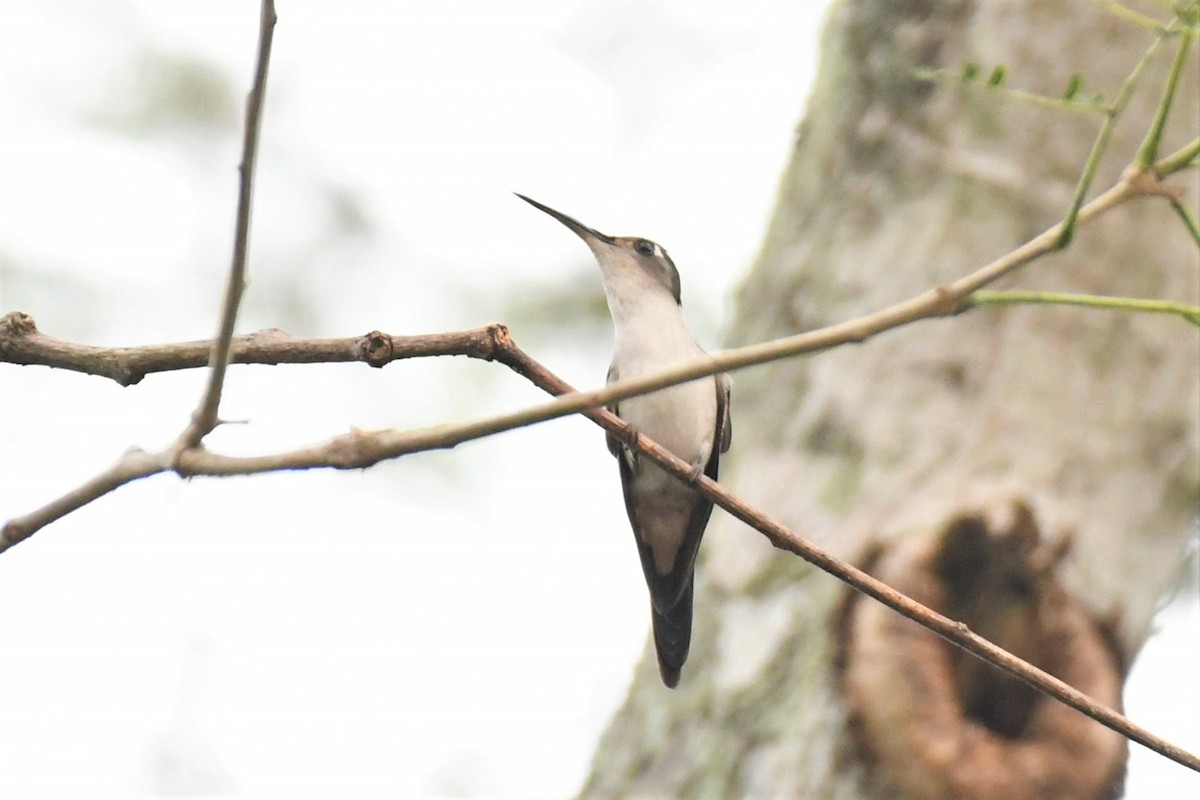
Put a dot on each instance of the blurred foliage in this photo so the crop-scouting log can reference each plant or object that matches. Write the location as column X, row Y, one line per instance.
column 157, row 92
column 569, row 308
column 56, row 296
column 348, row 217
column 326, row 255
column 566, row 310
column 1072, row 98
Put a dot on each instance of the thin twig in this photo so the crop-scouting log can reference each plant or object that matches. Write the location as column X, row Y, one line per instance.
column 204, row 419
column 1129, row 15
column 1187, row 312
column 1101, row 144
column 1088, row 104
column 1182, row 158
column 1148, row 153
column 1189, row 222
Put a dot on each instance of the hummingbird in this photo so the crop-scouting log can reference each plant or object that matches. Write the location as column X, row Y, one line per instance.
column 691, row 420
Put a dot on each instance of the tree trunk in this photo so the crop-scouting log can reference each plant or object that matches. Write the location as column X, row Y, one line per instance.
column 1032, row 470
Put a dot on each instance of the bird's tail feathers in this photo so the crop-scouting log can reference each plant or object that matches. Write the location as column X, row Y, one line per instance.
column 673, row 636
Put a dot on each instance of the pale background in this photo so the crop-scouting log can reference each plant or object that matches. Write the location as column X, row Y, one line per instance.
column 457, row 624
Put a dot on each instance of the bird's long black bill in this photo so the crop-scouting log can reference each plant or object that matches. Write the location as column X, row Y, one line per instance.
column 581, row 230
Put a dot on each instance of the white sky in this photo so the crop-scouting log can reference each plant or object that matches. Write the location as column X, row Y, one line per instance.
column 455, row 624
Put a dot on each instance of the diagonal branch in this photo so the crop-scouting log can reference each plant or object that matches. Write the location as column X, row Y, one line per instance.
column 204, row 419
column 782, row 537
column 360, row 449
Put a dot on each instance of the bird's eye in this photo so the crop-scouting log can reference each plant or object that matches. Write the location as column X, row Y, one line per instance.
column 644, row 247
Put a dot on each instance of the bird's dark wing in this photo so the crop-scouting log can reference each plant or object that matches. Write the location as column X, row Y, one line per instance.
column 614, row 444
column 724, row 421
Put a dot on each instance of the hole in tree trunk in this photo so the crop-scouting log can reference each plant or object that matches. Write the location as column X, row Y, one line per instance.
column 934, row 720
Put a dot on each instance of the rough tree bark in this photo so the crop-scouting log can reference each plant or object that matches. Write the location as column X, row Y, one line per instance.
column 1033, row 470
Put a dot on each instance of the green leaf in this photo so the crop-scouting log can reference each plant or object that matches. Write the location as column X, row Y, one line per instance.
column 1073, row 87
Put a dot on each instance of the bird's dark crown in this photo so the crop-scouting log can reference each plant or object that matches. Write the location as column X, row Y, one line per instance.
column 654, row 260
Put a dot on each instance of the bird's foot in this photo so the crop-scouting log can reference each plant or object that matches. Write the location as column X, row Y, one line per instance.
column 629, row 435
column 628, row 438
column 695, row 474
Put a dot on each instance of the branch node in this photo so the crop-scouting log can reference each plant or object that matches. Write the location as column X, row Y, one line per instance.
column 947, row 302
column 12, row 533
column 376, row 349
column 17, row 323
column 502, row 341
column 1147, row 182
column 126, row 375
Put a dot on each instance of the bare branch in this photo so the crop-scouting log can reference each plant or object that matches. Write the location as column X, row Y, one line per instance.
column 132, row 466
column 204, row 419
column 22, row 343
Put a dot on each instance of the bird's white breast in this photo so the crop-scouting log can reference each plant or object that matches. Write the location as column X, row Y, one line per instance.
column 680, row 418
